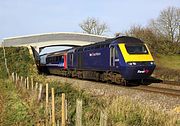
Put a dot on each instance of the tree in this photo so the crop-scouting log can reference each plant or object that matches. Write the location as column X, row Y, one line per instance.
column 156, row 43
column 93, row 26
column 168, row 24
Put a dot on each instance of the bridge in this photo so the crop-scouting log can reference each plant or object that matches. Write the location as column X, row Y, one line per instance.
column 41, row 41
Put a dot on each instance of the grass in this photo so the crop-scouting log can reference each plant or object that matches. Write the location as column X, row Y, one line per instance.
column 168, row 61
column 124, row 112
column 13, row 111
column 20, row 108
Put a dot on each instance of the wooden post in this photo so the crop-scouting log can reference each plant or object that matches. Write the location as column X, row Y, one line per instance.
column 32, row 84
column 27, row 83
column 50, row 116
column 103, row 119
column 16, row 79
column 47, row 104
column 164, row 78
column 13, row 77
column 21, row 81
column 40, row 92
column 53, row 108
column 66, row 111
column 78, row 112
column 63, row 110
column 36, row 86
column 57, row 124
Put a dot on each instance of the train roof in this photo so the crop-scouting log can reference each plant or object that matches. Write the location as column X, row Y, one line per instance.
column 120, row 39
column 57, row 53
column 127, row 39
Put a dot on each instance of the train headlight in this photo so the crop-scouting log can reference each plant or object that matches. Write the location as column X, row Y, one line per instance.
column 152, row 63
column 134, row 63
column 131, row 63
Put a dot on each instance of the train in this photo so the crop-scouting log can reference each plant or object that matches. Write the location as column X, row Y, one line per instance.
column 116, row 60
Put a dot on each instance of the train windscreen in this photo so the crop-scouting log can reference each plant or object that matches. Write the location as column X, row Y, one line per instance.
column 136, row 49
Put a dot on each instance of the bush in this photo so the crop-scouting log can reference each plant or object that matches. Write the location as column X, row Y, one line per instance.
column 18, row 60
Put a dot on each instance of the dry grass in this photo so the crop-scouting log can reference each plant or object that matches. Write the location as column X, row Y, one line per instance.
column 123, row 111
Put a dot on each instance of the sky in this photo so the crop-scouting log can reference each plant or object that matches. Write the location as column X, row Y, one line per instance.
column 24, row 17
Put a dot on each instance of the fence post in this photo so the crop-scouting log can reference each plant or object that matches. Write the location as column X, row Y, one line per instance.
column 16, row 79
column 58, row 123
column 40, row 92
column 66, row 111
column 13, row 77
column 53, row 107
column 27, row 81
column 63, row 110
column 21, row 81
column 36, row 86
column 78, row 112
column 50, row 116
column 32, row 84
column 47, row 104
column 103, row 119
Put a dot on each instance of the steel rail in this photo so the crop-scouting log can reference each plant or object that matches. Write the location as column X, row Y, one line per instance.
column 160, row 90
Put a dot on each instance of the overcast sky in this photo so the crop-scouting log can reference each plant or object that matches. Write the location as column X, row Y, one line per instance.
column 23, row 17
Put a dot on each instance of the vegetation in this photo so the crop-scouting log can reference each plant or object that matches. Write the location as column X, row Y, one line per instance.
column 21, row 108
column 13, row 109
column 18, row 60
column 93, row 26
column 168, row 61
column 167, row 24
column 124, row 112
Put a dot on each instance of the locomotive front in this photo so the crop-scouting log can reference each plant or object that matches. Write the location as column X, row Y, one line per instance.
column 135, row 59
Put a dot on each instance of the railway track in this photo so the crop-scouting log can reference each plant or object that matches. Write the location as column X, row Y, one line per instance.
column 154, row 80
column 146, row 88
column 175, row 83
column 166, row 91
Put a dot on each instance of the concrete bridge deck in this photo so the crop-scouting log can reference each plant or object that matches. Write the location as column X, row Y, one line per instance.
column 57, row 38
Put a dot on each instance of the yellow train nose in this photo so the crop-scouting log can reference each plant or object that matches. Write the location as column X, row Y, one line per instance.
column 135, row 57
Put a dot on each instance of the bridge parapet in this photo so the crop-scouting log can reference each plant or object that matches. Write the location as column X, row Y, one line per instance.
column 53, row 39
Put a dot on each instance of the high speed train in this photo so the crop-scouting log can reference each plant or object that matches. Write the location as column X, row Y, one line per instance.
column 115, row 60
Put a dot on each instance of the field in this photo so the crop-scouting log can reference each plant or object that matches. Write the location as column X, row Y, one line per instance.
column 168, row 61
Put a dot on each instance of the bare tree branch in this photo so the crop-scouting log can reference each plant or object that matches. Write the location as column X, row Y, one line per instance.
column 168, row 24
column 93, row 26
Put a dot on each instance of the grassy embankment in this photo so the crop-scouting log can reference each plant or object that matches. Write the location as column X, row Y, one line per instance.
column 168, row 61
column 168, row 67
column 18, row 107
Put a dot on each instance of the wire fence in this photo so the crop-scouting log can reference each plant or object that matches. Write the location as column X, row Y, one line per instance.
column 51, row 118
